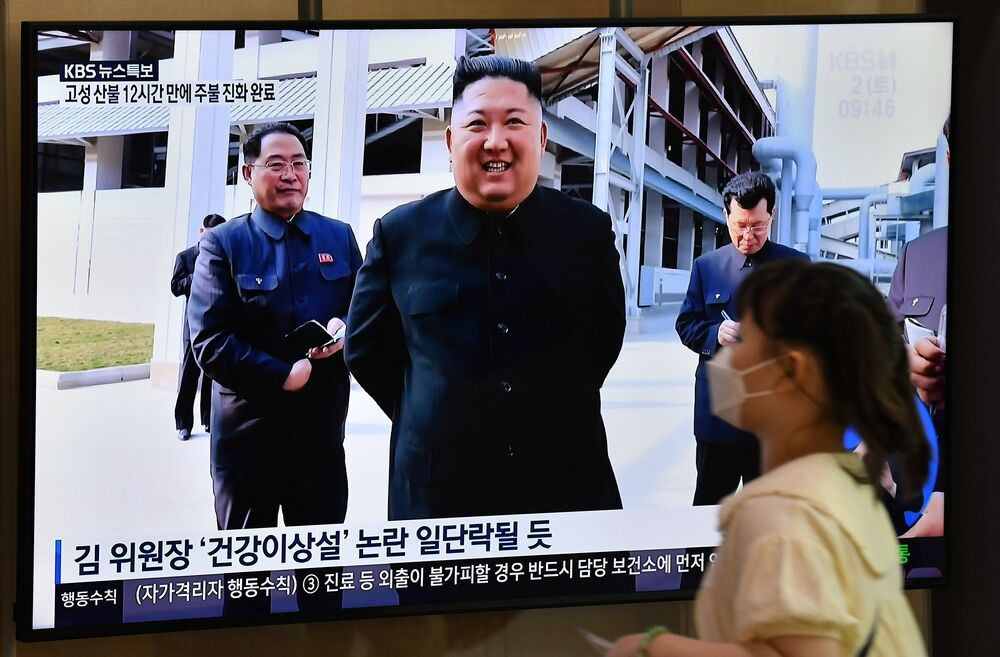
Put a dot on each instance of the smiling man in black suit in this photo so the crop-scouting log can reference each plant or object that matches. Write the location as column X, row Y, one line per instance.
column 485, row 319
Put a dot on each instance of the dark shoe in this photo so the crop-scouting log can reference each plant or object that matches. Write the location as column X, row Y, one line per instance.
column 207, row 429
column 183, row 434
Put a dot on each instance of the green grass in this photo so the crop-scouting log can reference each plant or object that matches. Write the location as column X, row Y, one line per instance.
column 67, row 345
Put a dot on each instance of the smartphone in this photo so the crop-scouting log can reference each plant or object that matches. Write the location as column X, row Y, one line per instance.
column 942, row 327
column 309, row 335
column 914, row 330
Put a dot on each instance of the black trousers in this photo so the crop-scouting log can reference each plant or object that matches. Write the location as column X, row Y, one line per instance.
column 187, row 386
column 720, row 468
column 314, row 493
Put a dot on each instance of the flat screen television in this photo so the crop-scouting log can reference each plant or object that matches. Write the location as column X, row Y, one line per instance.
column 138, row 130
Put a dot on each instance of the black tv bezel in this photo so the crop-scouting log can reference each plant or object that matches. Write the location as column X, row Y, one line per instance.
column 23, row 605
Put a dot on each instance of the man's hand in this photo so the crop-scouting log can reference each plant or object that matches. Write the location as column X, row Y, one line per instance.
column 931, row 523
column 299, row 376
column 729, row 332
column 335, row 324
column 926, row 360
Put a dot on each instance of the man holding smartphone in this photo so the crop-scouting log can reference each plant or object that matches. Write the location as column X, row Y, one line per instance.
column 919, row 293
column 278, row 411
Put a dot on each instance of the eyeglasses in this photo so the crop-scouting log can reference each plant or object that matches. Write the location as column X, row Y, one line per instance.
column 758, row 231
column 278, row 168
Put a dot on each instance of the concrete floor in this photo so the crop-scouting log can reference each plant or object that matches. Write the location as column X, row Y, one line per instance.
column 108, row 461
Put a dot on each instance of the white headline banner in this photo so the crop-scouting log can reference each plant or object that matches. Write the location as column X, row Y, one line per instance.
column 447, row 539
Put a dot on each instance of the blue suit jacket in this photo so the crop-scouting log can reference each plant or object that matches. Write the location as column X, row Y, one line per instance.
column 715, row 278
column 256, row 279
column 920, row 283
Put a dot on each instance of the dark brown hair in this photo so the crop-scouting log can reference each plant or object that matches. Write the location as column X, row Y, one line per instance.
column 840, row 316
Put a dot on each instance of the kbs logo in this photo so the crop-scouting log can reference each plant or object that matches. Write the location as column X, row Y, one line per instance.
column 79, row 72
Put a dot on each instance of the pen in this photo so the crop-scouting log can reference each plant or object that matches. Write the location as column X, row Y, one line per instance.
column 726, row 316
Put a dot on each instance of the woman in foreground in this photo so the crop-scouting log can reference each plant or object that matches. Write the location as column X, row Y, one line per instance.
column 809, row 564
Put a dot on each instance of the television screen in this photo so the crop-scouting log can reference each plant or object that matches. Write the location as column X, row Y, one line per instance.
column 338, row 321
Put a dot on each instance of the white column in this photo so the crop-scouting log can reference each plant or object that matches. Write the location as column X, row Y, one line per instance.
column 85, row 223
column 197, row 155
column 652, row 254
column 707, row 236
column 713, row 136
column 692, row 116
column 605, row 119
column 942, row 177
column 102, row 165
column 339, row 126
column 252, row 41
column 658, row 91
column 692, row 120
column 659, row 83
column 637, row 158
column 113, row 46
column 685, row 238
column 433, row 147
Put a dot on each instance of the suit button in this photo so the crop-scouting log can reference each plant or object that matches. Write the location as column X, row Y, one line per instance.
column 500, row 230
column 505, row 386
column 503, row 328
column 510, row 450
column 501, row 276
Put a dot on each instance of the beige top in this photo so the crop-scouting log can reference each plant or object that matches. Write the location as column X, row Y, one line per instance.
column 808, row 551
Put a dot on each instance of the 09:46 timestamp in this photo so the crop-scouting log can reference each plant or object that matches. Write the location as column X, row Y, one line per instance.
column 853, row 109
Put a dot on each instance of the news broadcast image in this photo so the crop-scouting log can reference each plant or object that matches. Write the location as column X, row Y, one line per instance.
column 139, row 139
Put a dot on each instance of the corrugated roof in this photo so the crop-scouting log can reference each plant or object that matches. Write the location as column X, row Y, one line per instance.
column 575, row 64
column 416, row 88
column 58, row 121
column 531, row 43
column 390, row 91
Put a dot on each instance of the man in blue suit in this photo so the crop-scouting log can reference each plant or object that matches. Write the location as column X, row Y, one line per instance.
column 190, row 373
column 277, row 416
column 707, row 322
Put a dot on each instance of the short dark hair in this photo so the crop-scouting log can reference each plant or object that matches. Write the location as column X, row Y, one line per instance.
column 748, row 189
column 212, row 220
column 473, row 69
column 861, row 354
column 251, row 147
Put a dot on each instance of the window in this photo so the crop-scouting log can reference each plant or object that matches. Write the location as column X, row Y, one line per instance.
column 144, row 160
column 392, row 144
column 60, row 168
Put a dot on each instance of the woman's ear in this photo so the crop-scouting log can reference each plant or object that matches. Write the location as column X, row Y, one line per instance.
column 804, row 372
column 798, row 366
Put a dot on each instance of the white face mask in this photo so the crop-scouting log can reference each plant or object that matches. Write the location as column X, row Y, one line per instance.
column 727, row 389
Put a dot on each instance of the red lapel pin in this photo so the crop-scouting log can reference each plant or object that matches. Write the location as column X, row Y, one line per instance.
column 325, row 257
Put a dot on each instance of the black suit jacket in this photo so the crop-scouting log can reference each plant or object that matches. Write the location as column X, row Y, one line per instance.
column 486, row 339
column 255, row 280
column 180, row 282
column 715, row 278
